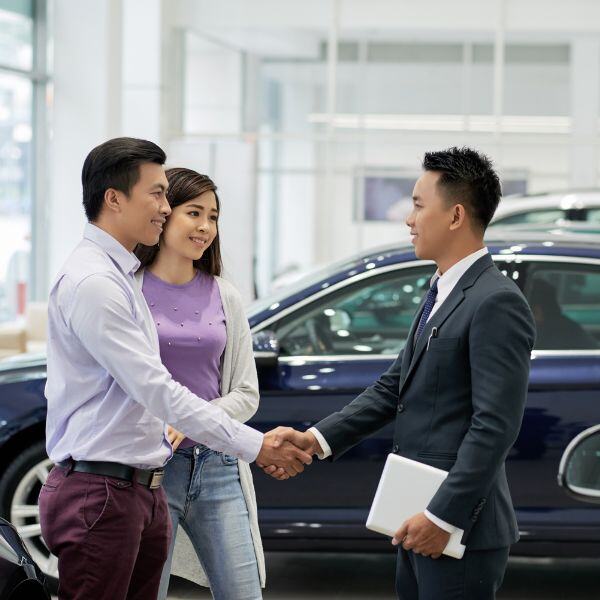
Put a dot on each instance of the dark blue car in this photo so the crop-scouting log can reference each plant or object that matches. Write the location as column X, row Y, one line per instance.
column 320, row 344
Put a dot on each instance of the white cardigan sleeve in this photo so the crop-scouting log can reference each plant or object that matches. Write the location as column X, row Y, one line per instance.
column 239, row 378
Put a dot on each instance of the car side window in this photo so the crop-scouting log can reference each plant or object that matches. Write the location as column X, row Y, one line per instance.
column 593, row 215
column 371, row 317
column 564, row 299
column 532, row 217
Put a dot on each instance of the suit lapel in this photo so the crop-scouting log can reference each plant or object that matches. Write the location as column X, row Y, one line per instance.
column 448, row 307
column 452, row 301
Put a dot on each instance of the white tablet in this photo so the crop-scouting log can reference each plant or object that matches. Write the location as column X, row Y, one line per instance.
column 406, row 487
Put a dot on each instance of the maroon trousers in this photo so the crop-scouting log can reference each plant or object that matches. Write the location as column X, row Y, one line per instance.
column 111, row 536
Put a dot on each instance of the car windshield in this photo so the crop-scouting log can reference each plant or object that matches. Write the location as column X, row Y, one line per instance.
column 310, row 278
column 307, row 280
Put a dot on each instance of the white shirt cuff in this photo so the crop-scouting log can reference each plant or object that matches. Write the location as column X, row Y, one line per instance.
column 247, row 443
column 441, row 524
column 322, row 442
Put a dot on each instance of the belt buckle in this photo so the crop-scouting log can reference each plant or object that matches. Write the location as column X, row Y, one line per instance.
column 156, row 480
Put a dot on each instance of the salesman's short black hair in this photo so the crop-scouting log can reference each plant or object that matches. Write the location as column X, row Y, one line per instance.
column 467, row 177
column 115, row 164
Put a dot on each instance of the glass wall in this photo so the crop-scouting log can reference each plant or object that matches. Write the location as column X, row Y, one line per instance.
column 19, row 76
column 394, row 101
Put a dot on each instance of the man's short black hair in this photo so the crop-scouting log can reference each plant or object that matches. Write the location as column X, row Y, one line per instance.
column 115, row 164
column 467, row 177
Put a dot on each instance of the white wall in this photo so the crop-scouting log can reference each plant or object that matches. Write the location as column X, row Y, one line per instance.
column 230, row 164
column 107, row 83
column 85, row 110
column 141, row 65
column 585, row 100
column 212, row 95
column 110, row 68
column 440, row 17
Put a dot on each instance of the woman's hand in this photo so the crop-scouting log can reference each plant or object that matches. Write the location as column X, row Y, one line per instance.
column 175, row 437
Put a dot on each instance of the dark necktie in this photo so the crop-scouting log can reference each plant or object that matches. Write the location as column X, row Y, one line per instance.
column 427, row 308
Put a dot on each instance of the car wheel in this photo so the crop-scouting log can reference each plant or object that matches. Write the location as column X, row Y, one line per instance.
column 19, row 490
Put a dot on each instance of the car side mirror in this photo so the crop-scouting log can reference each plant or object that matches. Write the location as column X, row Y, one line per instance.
column 266, row 348
column 579, row 470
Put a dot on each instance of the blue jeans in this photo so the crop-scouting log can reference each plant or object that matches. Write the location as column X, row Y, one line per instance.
column 205, row 498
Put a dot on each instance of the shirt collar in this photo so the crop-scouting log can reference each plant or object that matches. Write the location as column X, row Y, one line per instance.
column 450, row 278
column 127, row 261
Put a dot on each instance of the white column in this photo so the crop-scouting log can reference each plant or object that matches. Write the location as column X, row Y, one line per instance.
column 85, row 113
column 585, row 99
column 142, row 66
column 324, row 250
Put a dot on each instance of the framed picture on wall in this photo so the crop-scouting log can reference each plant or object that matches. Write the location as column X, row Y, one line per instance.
column 385, row 194
column 514, row 182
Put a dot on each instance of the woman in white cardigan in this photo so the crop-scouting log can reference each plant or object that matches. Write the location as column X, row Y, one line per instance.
column 205, row 343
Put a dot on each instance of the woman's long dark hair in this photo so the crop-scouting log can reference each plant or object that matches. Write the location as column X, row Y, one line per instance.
column 185, row 185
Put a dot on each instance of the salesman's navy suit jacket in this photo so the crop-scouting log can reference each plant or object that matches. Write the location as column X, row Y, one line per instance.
column 458, row 404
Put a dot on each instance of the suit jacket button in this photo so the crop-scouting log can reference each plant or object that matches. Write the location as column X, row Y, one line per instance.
column 395, row 449
column 400, row 407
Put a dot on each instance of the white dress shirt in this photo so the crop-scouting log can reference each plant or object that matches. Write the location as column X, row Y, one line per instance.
column 446, row 283
column 109, row 395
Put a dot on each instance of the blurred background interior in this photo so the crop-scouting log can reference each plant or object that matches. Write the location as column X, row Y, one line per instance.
column 312, row 118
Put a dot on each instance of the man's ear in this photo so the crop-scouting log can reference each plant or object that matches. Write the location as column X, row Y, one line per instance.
column 113, row 199
column 459, row 215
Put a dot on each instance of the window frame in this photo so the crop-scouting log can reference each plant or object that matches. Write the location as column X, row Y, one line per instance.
column 38, row 172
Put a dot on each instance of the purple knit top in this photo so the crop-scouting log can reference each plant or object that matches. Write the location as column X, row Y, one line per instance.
column 191, row 329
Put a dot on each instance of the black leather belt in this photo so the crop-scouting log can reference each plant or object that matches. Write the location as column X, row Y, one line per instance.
column 151, row 478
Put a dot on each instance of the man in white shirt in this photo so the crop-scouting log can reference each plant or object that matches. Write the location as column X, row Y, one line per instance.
column 102, row 510
column 456, row 392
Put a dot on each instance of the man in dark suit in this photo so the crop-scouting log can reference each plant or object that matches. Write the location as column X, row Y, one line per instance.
column 456, row 392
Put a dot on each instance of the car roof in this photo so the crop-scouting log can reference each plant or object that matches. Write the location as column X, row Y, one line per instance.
column 31, row 362
column 560, row 227
column 566, row 200
column 563, row 238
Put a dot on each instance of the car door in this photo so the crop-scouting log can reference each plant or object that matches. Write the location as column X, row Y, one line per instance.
column 332, row 348
column 564, row 395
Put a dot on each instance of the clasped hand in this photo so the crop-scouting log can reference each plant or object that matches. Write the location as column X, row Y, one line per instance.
column 422, row 536
column 285, row 451
column 283, row 454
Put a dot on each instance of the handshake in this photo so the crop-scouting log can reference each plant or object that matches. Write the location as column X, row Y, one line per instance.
column 285, row 451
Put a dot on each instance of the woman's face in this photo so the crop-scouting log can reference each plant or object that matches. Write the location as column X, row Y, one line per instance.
column 192, row 227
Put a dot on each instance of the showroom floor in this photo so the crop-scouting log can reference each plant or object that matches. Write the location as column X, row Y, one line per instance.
column 299, row 576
